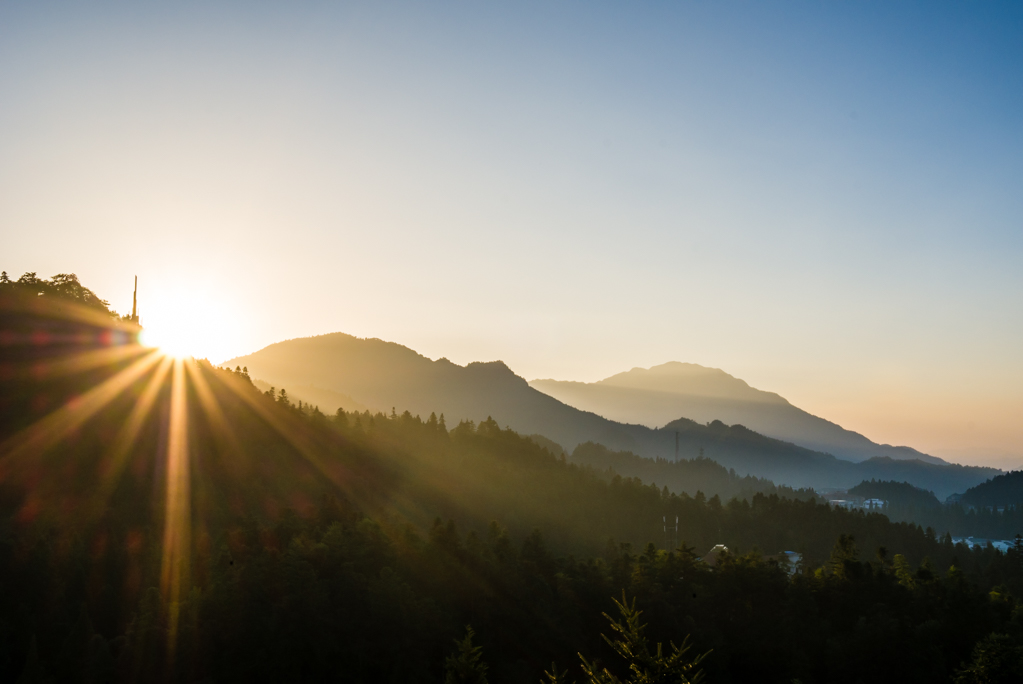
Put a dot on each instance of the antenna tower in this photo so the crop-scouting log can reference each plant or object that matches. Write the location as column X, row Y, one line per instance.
column 135, row 303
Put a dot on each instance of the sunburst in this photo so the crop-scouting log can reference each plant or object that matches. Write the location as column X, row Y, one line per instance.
column 86, row 346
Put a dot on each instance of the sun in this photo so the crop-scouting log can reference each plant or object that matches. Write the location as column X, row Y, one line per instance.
column 177, row 343
column 184, row 324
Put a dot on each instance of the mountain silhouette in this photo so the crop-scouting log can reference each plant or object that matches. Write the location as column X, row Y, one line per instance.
column 655, row 396
column 386, row 376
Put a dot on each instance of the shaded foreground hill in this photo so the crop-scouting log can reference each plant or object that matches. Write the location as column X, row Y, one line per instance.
column 382, row 375
column 164, row 521
column 655, row 396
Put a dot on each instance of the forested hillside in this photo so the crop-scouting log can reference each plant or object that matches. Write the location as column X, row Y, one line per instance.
column 419, row 531
column 164, row 520
column 998, row 492
column 688, row 476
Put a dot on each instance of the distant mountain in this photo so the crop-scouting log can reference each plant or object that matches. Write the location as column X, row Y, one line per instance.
column 382, row 375
column 657, row 395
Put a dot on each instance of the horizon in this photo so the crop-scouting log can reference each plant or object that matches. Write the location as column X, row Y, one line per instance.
column 821, row 202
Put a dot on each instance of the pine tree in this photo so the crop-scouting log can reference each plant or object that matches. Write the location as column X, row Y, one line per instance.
column 844, row 557
column 465, row 665
column 645, row 666
column 903, row 571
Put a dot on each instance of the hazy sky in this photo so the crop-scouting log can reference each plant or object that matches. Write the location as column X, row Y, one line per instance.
column 824, row 199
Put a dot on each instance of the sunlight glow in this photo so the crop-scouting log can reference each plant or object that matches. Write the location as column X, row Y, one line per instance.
column 176, row 346
column 187, row 323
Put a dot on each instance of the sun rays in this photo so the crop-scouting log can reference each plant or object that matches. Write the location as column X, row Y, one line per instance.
column 101, row 373
column 167, row 466
column 148, row 375
column 129, row 432
column 47, row 432
column 177, row 527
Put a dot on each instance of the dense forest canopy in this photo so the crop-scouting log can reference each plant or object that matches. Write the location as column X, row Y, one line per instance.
column 1003, row 490
column 164, row 520
column 896, row 494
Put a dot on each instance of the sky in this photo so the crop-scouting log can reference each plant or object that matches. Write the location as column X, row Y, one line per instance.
column 823, row 199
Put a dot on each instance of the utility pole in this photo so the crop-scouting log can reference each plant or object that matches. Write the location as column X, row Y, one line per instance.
column 676, row 445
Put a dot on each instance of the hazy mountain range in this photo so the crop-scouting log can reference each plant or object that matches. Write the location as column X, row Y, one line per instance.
column 658, row 395
column 383, row 375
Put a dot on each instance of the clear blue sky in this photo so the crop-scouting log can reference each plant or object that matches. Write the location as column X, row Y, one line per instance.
column 825, row 199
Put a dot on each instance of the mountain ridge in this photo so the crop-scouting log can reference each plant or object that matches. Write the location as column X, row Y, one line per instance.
column 382, row 375
column 657, row 395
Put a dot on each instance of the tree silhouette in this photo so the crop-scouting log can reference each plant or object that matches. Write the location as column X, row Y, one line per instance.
column 645, row 665
column 62, row 285
column 465, row 665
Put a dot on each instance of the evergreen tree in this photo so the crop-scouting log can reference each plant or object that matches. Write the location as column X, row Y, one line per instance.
column 465, row 665
column 844, row 557
column 645, row 666
column 903, row 571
